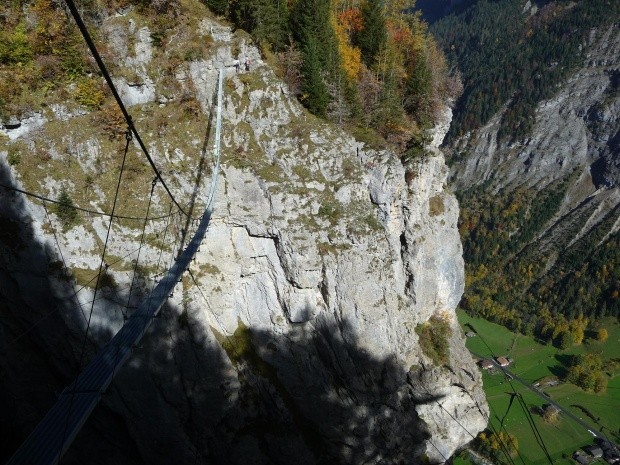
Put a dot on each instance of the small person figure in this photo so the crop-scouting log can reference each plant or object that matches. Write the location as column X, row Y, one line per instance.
column 248, row 62
column 236, row 65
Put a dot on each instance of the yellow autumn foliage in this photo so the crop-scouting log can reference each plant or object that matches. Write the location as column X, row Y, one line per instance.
column 351, row 57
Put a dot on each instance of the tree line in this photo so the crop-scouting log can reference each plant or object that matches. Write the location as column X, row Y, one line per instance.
column 509, row 57
column 369, row 63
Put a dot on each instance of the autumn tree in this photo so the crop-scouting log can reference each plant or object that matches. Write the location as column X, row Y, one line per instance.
column 289, row 67
column 551, row 415
column 350, row 55
column 600, row 382
column 601, row 335
column 496, row 444
column 577, row 328
column 586, row 371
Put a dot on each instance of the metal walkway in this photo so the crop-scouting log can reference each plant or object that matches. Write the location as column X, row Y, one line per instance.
column 55, row 433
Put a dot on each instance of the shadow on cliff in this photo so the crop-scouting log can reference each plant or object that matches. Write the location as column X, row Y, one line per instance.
column 38, row 332
column 189, row 394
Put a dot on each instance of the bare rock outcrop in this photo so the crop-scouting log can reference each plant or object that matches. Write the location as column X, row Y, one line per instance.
column 576, row 130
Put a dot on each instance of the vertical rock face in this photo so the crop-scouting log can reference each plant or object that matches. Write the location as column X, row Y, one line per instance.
column 576, row 130
column 295, row 340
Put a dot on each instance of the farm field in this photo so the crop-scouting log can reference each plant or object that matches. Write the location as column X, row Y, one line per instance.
column 533, row 361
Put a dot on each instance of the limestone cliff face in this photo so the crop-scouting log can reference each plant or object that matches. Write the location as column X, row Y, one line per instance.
column 575, row 131
column 295, row 340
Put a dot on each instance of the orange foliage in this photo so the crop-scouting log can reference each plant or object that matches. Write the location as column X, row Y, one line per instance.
column 399, row 34
column 50, row 28
column 351, row 20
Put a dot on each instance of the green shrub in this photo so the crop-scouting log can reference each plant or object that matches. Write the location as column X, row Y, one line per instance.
column 302, row 172
column 89, row 93
column 434, row 338
column 13, row 157
column 193, row 54
column 331, row 210
column 15, row 47
column 239, row 346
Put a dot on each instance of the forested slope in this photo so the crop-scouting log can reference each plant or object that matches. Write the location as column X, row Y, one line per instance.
column 368, row 63
column 534, row 153
column 516, row 52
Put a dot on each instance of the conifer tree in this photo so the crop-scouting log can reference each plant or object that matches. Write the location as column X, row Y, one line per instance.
column 311, row 19
column 67, row 214
column 312, row 29
column 217, row 6
column 266, row 20
column 373, row 35
column 314, row 91
column 417, row 88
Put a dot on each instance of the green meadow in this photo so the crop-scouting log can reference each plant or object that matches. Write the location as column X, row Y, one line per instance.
column 534, row 361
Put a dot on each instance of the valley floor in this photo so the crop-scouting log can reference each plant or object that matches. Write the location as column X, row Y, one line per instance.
column 544, row 365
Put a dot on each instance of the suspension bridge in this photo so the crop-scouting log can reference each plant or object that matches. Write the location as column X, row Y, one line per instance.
column 54, row 434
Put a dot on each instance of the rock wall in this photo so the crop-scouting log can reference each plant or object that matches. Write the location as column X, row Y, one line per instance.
column 576, row 130
column 294, row 340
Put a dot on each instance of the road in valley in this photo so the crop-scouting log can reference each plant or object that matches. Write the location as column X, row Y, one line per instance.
column 511, row 376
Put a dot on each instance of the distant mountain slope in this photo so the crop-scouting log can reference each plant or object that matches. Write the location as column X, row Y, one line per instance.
column 535, row 159
column 516, row 53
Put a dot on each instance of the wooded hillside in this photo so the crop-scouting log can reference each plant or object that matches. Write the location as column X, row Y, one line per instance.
column 508, row 55
column 367, row 63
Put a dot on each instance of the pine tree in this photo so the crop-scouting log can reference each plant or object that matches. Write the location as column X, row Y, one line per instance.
column 417, row 88
column 272, row 22
column 310, row 19
column 312, row 29
column 217, row 6
column 314, row 91
column 67, row 214
column 266, row 20
column 373, row 36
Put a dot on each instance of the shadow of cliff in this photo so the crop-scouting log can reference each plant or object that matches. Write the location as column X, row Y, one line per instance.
column 38, row 332
column 191, row 395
